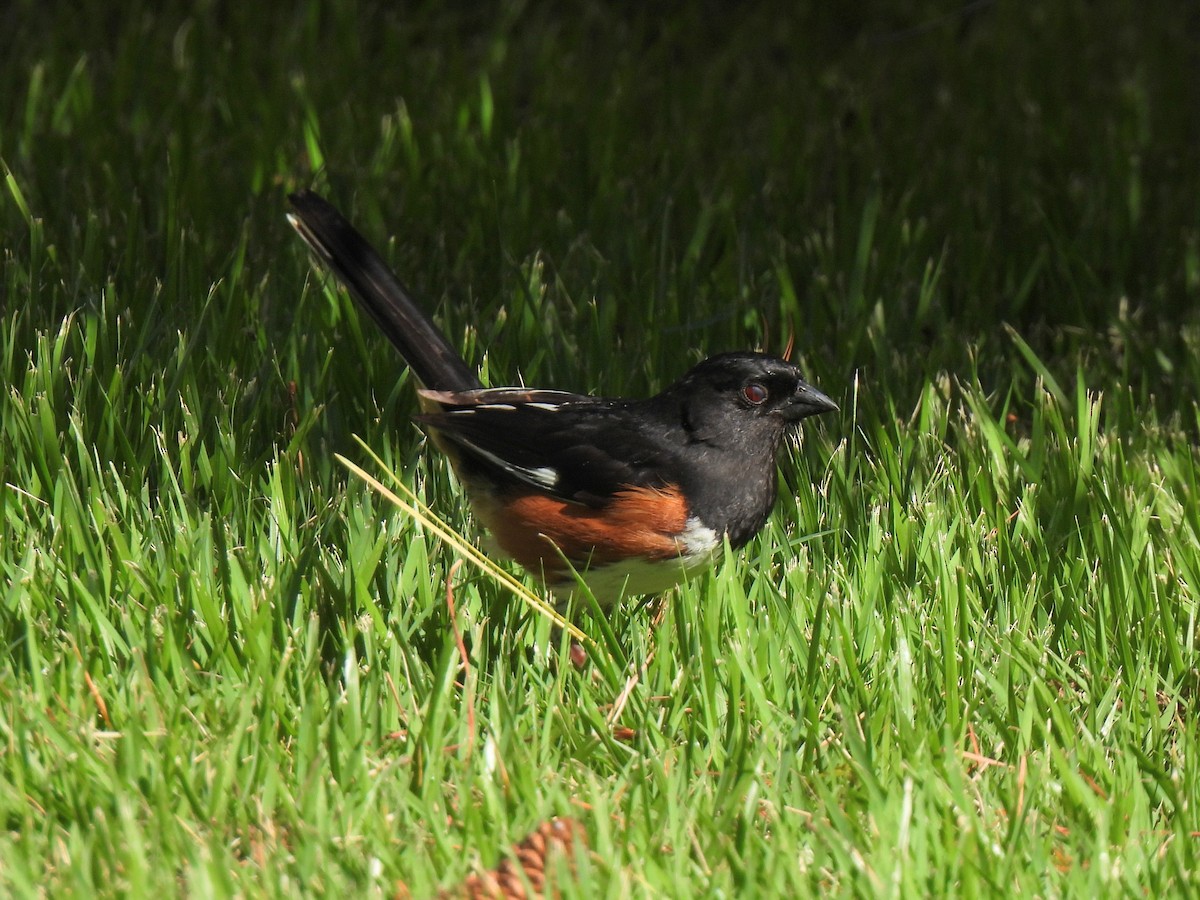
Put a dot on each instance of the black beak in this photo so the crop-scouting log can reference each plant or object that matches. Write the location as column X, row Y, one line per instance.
column 807, row 401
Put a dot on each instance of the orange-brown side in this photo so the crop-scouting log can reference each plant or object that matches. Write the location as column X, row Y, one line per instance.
column 638, row 522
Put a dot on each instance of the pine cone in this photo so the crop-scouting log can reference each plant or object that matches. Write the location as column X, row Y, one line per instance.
column 522, row 876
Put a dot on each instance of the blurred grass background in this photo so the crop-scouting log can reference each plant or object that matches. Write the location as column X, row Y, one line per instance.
column 961, row 660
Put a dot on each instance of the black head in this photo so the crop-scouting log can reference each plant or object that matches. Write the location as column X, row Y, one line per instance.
column 746, row 392
column 732, row 412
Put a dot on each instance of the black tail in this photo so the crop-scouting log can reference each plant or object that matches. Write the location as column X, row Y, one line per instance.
column 380, row 293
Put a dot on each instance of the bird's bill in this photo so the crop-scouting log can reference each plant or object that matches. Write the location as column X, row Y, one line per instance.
column 807, row 401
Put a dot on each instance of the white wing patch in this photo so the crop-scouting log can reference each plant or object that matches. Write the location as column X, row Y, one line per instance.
column 540, row 476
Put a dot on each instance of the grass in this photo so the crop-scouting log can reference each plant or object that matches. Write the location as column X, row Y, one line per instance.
column 960, row 661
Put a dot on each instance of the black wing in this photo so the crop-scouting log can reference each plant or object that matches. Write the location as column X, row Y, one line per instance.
column 581, row 449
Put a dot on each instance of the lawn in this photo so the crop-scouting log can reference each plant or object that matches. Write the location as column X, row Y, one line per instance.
column 962, row 658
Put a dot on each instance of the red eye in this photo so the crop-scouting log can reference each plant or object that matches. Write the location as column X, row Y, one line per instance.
column 754, row 394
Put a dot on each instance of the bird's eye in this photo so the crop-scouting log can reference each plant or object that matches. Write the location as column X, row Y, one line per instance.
column 754, row 394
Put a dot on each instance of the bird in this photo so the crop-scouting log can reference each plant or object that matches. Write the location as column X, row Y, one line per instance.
column 627, row 496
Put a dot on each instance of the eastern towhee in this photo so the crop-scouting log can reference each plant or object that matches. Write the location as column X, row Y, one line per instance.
column 636, row 495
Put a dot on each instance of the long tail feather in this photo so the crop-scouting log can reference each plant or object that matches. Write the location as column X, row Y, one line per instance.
column 381, row 294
